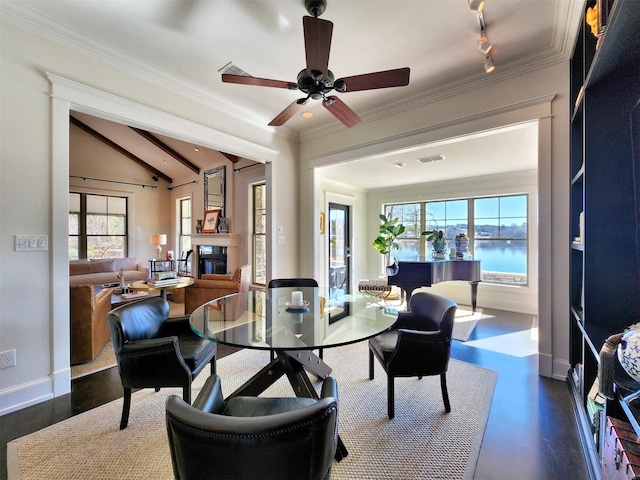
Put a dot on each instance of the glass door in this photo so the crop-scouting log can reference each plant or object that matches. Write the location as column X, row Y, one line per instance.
column 339, row 250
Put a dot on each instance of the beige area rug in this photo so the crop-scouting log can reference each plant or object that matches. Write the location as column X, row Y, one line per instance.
column 466, row 320
column 422, row 442
column 106, row 358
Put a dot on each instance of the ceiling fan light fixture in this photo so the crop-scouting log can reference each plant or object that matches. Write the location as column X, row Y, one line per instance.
column 306, row 114
column 488, row 64
column 476, row 5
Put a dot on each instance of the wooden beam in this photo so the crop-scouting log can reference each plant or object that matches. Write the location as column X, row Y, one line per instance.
column 167, row 149
column 119, row 149
column 233, row 158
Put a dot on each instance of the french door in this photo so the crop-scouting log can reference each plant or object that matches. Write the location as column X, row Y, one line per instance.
column 339, row 250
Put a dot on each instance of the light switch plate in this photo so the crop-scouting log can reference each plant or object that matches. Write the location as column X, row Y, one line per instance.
column 31, row 243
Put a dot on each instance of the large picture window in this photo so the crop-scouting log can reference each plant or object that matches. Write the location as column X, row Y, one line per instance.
column 496, row 227
column 97, row 226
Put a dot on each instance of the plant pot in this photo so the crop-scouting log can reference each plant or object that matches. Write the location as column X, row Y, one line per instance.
column 439, row 248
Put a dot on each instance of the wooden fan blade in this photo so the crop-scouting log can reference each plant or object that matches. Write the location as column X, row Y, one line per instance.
column 317, row 44
column 260, row 82
column 286, row 114
column 370, row 81
column 342, row 112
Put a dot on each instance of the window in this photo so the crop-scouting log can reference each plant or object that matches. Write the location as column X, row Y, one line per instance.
column 97, row 226
column 500, row 238
column 184, row 234
column 496, row 226
column 259, row 244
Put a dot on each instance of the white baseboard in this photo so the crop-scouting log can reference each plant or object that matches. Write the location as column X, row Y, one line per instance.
column 25, row 395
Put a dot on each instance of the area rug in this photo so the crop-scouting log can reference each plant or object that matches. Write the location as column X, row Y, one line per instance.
column 465, row 322
column 421, row 442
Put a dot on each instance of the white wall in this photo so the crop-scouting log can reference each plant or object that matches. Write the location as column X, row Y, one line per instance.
column 34, row 186
column 541, row 95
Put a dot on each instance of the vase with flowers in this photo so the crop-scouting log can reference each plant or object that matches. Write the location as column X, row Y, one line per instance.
column 438, row 242
column 462, row 245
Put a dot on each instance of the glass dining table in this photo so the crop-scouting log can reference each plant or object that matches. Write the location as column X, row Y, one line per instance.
column 266, row 320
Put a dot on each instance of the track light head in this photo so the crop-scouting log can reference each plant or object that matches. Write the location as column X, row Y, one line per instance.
column 488, row 64
column 476, row 5
column 155, row 178
column 484, row 45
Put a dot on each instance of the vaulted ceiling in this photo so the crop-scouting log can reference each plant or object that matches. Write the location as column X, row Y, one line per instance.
column 186, row 44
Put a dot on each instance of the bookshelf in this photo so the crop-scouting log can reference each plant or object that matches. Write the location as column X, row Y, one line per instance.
column 604, row 202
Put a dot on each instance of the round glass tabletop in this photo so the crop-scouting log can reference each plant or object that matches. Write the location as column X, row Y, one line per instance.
column 267, row 320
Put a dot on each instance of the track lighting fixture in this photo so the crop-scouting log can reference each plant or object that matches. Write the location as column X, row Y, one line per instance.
column 483, row 44
column 488, row 64
column 476, row 5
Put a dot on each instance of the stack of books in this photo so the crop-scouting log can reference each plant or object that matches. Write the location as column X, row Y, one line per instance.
column 161, row 279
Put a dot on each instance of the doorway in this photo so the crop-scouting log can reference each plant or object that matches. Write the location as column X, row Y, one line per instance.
column 339, row 250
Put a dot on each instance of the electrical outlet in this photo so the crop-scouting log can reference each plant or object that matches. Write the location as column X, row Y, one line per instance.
column 8, row 359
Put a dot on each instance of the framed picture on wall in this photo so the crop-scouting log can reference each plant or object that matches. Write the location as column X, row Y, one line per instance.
column 210, row 223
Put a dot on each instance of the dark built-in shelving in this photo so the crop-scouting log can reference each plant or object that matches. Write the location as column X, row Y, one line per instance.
column 605, row 187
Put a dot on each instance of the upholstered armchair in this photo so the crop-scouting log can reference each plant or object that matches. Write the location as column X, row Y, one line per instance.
column 155, row 351
column 89, row 325
column 253, row 437
column 215, row 285
column 417, row 345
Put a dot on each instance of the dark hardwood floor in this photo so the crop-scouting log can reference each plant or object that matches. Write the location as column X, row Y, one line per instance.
column 531, row 433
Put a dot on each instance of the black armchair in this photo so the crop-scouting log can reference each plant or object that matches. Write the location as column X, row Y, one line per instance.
column 253, row 437
column 418, row 344
column 154, row 351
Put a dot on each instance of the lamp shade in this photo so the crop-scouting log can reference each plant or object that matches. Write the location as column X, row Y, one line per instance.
column 158, row 239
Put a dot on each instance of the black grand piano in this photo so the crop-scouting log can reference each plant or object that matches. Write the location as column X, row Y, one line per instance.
column 412, row 275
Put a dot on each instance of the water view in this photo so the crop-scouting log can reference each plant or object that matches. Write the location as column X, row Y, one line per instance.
column 507, row 257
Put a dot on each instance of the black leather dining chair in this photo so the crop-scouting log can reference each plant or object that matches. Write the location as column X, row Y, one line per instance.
column 253, row 437
column 153, row 351
column 417, row 345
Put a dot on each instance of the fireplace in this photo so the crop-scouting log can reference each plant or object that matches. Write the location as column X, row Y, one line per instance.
column 211, row 259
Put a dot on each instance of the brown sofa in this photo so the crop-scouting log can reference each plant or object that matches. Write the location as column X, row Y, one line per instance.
column 215, row 285
column 89, row 325
column 105, row 270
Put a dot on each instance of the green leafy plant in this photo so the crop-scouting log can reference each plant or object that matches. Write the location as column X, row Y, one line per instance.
column 435, row 233
column 390, row 230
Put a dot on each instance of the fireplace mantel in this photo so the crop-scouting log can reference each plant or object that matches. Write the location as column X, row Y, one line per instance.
column 216, row 239
column 229, row 240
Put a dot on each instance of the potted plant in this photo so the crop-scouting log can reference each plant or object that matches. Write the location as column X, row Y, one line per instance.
column 438, row 242
column 390, row 230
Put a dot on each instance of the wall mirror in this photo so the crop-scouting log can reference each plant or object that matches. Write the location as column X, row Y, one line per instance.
column 214, row 189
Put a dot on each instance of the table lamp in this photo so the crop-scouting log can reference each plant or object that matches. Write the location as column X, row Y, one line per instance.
column 158, row 239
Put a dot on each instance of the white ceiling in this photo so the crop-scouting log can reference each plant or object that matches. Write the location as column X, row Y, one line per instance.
column 188, row 42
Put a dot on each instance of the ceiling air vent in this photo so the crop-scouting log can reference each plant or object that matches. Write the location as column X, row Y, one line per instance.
column 431, row 158
column 232, row 69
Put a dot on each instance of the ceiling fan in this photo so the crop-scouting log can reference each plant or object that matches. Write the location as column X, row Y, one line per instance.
column 317, row 80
